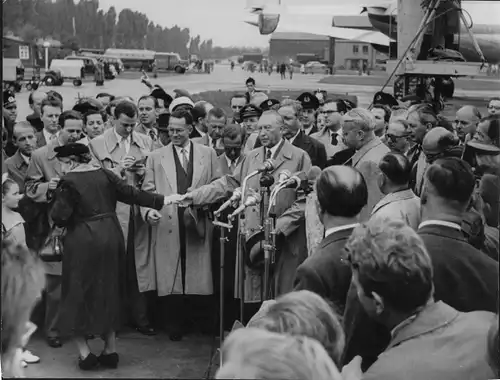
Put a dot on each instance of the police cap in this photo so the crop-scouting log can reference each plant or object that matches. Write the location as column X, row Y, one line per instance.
column 268, row 104
column 385, row 99
column 8, row 98
column 308, row 101
column 250, row 111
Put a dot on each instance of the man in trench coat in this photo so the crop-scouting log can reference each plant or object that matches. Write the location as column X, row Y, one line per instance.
column 286, row 157
column 181, row 238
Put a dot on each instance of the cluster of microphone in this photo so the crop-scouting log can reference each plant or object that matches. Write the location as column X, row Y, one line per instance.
column 286, row 180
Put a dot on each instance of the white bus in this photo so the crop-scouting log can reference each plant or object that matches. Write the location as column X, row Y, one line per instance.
column 133, row 58
column 170, row 62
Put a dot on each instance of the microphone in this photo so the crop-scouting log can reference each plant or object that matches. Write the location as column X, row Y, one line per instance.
column 266, row 180
column 252, row 200
column 267, row 167
column 234, row 198
column 313, row 174
column 295, row 181
column 284, row 175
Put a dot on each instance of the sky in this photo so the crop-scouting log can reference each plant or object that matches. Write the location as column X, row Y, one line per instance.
column 222, row 20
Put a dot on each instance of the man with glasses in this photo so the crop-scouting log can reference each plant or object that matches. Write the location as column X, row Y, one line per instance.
column 494, row 106
column 9, row 117
column 396, row 137
column 331, row 135
column 122, row 150
column 237, row 102
column 310, row 105
column 465, row 124
column 181, row 236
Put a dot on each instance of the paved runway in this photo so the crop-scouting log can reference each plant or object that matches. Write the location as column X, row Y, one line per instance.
column 222, row 78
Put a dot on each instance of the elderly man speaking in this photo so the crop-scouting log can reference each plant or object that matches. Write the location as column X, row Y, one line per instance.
column 285, row 157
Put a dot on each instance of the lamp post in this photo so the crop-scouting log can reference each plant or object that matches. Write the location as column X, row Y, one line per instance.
column 46, row 45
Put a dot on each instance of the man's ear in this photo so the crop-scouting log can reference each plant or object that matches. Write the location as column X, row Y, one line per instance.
column 379, row 303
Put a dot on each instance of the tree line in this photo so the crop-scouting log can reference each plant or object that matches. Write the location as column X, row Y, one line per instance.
column 83, row 25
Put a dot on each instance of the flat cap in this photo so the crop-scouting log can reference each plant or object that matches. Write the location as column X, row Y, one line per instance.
column 269, row 104
column 72, row 149
column 180, row 101
column 385, row 99
column 250, row 111
column 308, row 101
column 8, row 98
column 85, row 105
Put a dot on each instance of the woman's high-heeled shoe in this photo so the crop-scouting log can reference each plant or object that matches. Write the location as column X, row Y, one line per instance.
column 89, row 363
column 109, row 360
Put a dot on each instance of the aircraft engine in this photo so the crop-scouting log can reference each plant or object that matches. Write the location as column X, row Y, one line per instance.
column 268, row 23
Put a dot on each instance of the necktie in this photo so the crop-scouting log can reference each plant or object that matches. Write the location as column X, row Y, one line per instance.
column 124, row 145
column 268, row 154
column 334, row 138
column 214, row 144
column 232, row 166
column 185, row 159
column 152, row 134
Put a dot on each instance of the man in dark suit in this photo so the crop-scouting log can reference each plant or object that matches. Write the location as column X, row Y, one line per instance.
column 342, row 194
column 464, row 277
column 292, row 131
column 310, row 105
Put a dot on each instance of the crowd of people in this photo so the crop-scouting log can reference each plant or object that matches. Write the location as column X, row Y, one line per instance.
column 386, row 260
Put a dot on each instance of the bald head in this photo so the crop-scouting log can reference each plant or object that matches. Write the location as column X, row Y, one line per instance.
column 466, row 121
column 35, row 101
column 437, row 141
column 341, row 191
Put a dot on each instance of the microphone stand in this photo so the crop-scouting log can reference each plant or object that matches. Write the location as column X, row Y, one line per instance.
column 266, row 182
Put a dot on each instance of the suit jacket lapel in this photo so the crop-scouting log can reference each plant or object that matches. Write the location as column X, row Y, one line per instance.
column 168, row 164
column 198, row 164
column 284, row 154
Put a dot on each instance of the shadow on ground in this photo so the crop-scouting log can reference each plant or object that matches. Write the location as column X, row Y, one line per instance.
column 140, row 357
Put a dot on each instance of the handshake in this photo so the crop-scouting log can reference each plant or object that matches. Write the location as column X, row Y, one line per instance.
column 153, row 216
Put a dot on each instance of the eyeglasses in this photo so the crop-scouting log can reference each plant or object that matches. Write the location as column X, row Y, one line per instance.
column 236, row 107
column 394, row 137
column 494, row 107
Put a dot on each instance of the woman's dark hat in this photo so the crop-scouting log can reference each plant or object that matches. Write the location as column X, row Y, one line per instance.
column 72, row 149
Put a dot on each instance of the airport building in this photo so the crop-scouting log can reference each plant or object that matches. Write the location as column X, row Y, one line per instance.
column 345, row 54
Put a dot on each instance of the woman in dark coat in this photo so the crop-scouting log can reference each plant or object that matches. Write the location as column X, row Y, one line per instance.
column 93, row 260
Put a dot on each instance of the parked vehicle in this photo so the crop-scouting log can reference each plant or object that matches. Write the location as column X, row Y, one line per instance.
column 12, row 74
column 89, row 63
column 61, row 69
column 133, row 58
column 170, row 62
column 315, row 67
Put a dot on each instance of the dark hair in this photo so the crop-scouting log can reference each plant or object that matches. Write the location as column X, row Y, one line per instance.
column 218, row 113
column 23, row 279
column 250, row 80
column 387, row 111
column 54, row 94
column 155, row 101
column 493, row 128
column 396, row 167
column 339, row 197
column 183, row 114
column 426, row 115
column 51, row 102
column 452, row 178
column 198, row 111
column 442, row 121
column 105, row 95
column 69, row 115
column 233, row 131
column 126, row 108
column 6, row 185
column 112, row 104
column 238, row 96
column 94, row 112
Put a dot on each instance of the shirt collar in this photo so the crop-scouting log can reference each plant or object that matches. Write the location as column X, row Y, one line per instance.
column 440, row 223
column 202, row 134
column 121, row 138
column 25, row 158
column 332, row 230
column 186, row 147
column 48, row 135
column 274, row 149
column 292, row 139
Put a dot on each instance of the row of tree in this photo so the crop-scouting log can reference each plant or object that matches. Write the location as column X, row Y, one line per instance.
column 82, row 24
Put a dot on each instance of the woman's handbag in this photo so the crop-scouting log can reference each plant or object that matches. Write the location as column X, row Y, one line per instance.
column 52, row 250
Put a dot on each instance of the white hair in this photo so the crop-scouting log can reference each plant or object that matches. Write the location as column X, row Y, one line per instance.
column 258, row 354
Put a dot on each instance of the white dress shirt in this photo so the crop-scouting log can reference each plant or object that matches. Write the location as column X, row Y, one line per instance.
column 125, row 142
column 274, row 149
column 340, row 228
column 49, row 136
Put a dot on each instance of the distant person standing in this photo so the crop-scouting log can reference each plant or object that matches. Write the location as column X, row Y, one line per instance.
column 283, row 70
column 290, row 71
